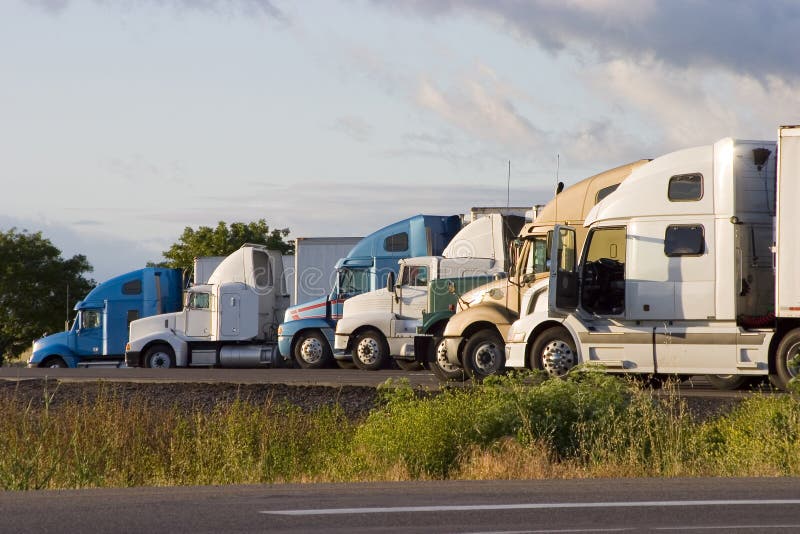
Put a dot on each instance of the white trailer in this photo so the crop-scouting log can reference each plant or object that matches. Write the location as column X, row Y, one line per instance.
column 312, row 273
column 688, row 269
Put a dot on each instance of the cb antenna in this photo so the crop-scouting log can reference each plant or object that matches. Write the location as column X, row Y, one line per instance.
column 508, row 189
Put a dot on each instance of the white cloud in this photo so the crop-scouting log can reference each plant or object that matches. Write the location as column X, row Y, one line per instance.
column 482, row 106
column 694, row 106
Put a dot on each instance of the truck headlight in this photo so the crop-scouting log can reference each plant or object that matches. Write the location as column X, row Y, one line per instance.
column 280, row 330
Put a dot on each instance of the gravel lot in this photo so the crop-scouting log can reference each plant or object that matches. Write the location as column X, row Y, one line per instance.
column 356, row 401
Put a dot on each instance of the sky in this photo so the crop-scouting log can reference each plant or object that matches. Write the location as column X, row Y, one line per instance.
column 124, row 121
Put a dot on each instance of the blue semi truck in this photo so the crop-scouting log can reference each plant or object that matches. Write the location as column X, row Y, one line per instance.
column 99, row 331
column 307, row 332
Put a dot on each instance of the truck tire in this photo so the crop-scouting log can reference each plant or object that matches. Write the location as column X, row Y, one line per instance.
column 554, row 352
column 729, row 382
column 159, row 356
column 441, row 367
column 311, row 351
column 370, row 351
column 484, row 355
column 54, row 362
column 787, row 360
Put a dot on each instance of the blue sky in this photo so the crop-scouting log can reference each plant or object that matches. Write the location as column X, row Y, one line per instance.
column 123, row 121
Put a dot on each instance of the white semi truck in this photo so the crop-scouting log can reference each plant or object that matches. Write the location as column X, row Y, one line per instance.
column 382, row 324
column 231, row 321
column 689, row 268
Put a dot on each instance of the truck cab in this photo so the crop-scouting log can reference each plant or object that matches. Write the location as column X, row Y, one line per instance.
column 382, row 324
column 676, row 277
column 99, row 331
column 472, row 343
column 230, row 322
column 307, row 332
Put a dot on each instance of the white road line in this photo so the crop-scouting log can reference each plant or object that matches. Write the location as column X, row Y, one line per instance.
column 526, row 506
column 728, row 527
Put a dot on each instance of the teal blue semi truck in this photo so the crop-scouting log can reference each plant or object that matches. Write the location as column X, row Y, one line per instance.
column 99, row 331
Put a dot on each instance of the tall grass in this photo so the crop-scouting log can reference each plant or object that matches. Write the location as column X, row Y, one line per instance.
column 106, row 441
column 519, row 426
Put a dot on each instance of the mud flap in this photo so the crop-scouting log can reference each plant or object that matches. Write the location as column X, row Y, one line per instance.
column 423, row 349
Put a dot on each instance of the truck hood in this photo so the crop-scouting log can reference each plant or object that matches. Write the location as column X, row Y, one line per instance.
column 142, row 327
column 313, row 309
column 60, row 338
column 373, row 301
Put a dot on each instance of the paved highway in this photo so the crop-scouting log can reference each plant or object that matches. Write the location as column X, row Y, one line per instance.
column 697, row 387
column 624, row 505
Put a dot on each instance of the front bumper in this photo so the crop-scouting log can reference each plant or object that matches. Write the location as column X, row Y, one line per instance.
column 133, row 358
column 452, row 344
column 515, row 354
column 340, row 351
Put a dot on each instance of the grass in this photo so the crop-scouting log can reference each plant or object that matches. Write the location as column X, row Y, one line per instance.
column 513, row 427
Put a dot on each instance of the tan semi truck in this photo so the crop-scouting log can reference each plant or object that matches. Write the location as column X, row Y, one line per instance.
column 472, row 342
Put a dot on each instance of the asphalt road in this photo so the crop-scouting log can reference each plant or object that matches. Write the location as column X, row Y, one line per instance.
column 697, row 387
column 607, row 505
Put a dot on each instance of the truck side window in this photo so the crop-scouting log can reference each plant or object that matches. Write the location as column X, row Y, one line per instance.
column 418, row 276
column 198, row 300
column 90, row 319
column 603, row 193
column 680, row 240
column 685, row 187
column 396, row 242
column 134, row 287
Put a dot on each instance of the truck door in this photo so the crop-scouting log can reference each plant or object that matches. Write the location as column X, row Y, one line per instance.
column 89, row 339
column 198, row 315
column 603, row 333
column 230, row 312
column 413, row 298
column 414, row 291
column 563, row 292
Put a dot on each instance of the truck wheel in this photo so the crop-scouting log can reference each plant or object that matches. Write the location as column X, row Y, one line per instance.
column 554, row 352
column 484, row 355
column 159, row 356
column 409, row 365
column 370, row 351
column 311, row 351
column 54, row 362
column 787, row 360
column 441, row 366
column 729, row 382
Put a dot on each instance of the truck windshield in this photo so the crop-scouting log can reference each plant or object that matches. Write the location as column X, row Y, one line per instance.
column 353, row 281
column 535, row 256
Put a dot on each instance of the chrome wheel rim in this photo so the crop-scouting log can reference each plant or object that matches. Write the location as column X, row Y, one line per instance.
column 311, row 350
column 159, row 360
column 487, row 357
column 442, row 361
column 558, row 357
column 368, row 351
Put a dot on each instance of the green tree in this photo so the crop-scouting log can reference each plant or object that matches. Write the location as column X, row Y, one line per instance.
column 223, row 240
column 33, row 288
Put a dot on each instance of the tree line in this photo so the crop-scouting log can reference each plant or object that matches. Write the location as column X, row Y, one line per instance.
column 39, row 287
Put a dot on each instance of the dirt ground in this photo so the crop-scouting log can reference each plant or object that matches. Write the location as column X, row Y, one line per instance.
column 355, row 401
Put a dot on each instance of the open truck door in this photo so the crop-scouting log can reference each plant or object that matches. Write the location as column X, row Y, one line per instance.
column 563, row 294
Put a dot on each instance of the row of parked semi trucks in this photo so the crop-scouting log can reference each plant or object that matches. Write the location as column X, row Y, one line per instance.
column 677, row 266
